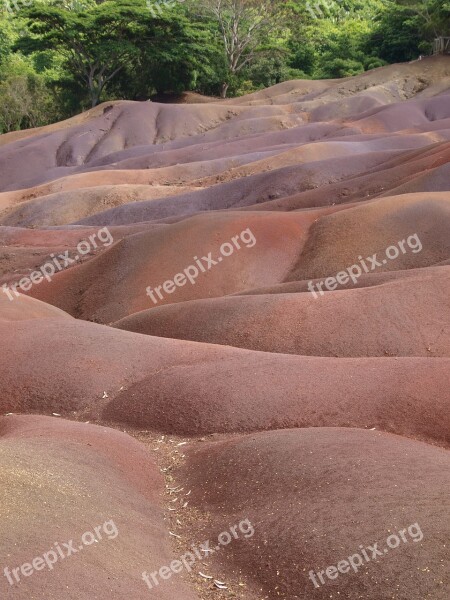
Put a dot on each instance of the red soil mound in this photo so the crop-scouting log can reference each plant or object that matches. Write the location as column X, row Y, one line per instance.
column 27, row 250
column 61, row 208
column 114, row 284
column 23, row 308
column 328, row 325
column 315, row 497
column 332, row 245
column 426, row 171
column 50, row 477
column 96, row 372
column 241, row 193
column 219, row 215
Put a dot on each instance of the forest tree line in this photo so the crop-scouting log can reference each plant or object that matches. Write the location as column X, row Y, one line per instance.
column 59, row 57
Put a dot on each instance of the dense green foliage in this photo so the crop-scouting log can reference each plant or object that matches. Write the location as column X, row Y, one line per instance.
column 58, row 57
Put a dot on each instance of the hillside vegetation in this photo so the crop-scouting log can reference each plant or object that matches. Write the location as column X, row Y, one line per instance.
column 58, row 58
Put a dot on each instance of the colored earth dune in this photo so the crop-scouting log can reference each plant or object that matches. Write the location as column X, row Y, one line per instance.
column 236, row 394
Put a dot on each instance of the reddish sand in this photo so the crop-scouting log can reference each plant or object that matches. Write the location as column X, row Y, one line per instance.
column 314, row 497
column 23, row 308
column 60, row 480
column 324, row 420
column 96, row 372
column 411, row 321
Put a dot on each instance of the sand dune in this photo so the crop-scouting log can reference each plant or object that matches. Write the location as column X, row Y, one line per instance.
column 407, row 317
column 297, row 489
column 50, row 475
column 186, row 388
column 23, row 308
column 266, row 310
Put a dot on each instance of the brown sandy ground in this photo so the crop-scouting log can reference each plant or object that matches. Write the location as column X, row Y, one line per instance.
column 408, row 318
column 63, row 207
column 289, row 246
column 96, row 372
column 61, row 479
column 324, row 421
column 25, row 250
column 314, row 496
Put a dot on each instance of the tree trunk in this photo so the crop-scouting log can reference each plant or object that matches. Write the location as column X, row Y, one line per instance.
column 94, row 91
column 224, row 90
column 95, row 96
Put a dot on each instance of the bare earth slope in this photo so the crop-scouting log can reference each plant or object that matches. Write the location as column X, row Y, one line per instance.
column 408, row 318
column 257, row 289
column 51, row 476
column 297, row 488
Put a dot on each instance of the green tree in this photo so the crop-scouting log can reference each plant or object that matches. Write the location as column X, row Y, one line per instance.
column 433, row 16
column 96, row 43
column 244, row 26
column 101, row 41
column 25, row 99
column 329, row 38
column 397, row 35
column 406, row 29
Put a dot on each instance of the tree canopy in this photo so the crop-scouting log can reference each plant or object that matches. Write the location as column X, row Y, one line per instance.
column 58, row 57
